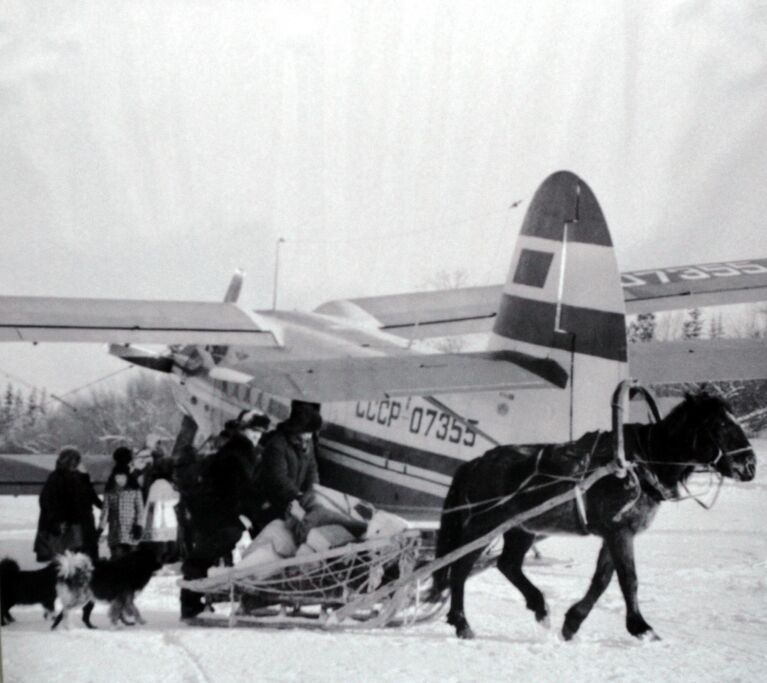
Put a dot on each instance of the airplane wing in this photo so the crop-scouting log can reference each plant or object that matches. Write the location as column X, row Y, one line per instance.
column 698, row 360
column 711, row 284
column 378, row 377
column 421, row 315
column 290, row 354
column 119, row 321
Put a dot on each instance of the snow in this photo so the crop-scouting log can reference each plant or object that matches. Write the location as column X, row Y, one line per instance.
column 702, row 587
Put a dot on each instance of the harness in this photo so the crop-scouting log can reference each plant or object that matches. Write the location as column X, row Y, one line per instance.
column 578, row 489
column 641, row 477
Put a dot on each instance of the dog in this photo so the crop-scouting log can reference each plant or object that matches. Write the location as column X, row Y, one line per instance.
column 22, row 587
column 116, row 581
column 73, row 583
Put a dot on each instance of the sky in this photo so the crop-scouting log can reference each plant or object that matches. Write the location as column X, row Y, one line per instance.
column 149, row 149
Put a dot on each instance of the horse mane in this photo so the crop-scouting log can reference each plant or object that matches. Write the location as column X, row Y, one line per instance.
column 695, row 409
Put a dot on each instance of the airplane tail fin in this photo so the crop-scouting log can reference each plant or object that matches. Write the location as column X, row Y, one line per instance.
column 230, row 297
column 563, row 298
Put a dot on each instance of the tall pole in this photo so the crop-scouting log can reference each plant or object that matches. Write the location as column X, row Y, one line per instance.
column 280, row 240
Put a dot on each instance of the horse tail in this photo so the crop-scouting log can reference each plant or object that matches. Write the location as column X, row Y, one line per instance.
column 450, row 531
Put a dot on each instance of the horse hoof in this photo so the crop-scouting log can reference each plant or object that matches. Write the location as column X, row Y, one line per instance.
column 567, row 632
column 649, row 636
column 466, row 633
column 545, row 621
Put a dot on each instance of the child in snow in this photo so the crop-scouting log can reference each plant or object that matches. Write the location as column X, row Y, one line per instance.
column 159, row 521
column 122, row 511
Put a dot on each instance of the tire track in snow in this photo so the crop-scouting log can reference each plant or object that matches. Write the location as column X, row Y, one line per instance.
column 200, row 674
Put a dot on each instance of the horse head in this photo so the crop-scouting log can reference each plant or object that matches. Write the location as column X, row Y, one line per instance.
column 718, row 440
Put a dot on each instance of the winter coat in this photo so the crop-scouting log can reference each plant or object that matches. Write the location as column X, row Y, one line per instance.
column 123, row 512
column 224, row 487
column 58, row 500
column 159, row 519
column 288, row 472
column 67, row 499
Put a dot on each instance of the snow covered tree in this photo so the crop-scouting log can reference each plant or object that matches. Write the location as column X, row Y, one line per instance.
column 642, row 329
column 693, row 327
column 448, row 279
column 716, row 327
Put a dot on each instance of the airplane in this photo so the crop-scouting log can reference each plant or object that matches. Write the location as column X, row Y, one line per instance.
column 400, row 413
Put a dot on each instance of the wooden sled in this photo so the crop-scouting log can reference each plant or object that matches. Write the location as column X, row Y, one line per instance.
column 306, row 590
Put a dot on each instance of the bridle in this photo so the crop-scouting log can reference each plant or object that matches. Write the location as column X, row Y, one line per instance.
column 723, row 453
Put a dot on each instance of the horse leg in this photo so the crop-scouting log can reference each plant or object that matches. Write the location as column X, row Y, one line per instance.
column 621, row 546
column 515, row 544
column 139, row 619
column 459, row 572
column 601, row 579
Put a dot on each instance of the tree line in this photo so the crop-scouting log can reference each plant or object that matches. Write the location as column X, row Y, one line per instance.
column 697, row 324
column 96, row 422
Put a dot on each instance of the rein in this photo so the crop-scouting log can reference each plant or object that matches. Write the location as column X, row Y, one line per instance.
column 498, row 501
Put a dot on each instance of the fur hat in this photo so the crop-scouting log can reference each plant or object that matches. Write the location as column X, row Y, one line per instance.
column 251, row 419
column 122, row 455
column 301, row 422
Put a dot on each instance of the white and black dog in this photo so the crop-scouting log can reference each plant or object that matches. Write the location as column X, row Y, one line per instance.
column 115, row 581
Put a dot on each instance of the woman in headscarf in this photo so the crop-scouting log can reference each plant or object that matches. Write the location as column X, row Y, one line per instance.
column 66, row 509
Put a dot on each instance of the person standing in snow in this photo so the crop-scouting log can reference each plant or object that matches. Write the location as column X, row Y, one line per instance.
column 159, row 520
column 289, row 465
column 216, row 501
column 122, row 511
column 66, row 509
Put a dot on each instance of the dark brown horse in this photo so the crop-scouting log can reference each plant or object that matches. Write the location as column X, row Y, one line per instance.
column 699, row 433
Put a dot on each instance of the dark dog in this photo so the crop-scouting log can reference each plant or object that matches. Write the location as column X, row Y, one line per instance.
column 20, row 587
column 115, row 581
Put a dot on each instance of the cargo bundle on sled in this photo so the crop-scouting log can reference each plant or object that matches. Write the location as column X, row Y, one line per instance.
column 279, row 581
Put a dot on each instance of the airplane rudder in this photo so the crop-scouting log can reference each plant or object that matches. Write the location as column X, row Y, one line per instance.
column 563, row 289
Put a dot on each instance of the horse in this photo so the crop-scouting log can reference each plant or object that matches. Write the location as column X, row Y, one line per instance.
column 699, row 433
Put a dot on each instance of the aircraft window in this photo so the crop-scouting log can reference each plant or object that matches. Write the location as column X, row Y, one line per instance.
column 533, row 267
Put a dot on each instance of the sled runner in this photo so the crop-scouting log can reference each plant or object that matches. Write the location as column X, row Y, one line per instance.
column 310, row 587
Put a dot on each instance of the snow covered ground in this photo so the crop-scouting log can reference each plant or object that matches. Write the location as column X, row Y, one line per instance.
column 703, row 580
